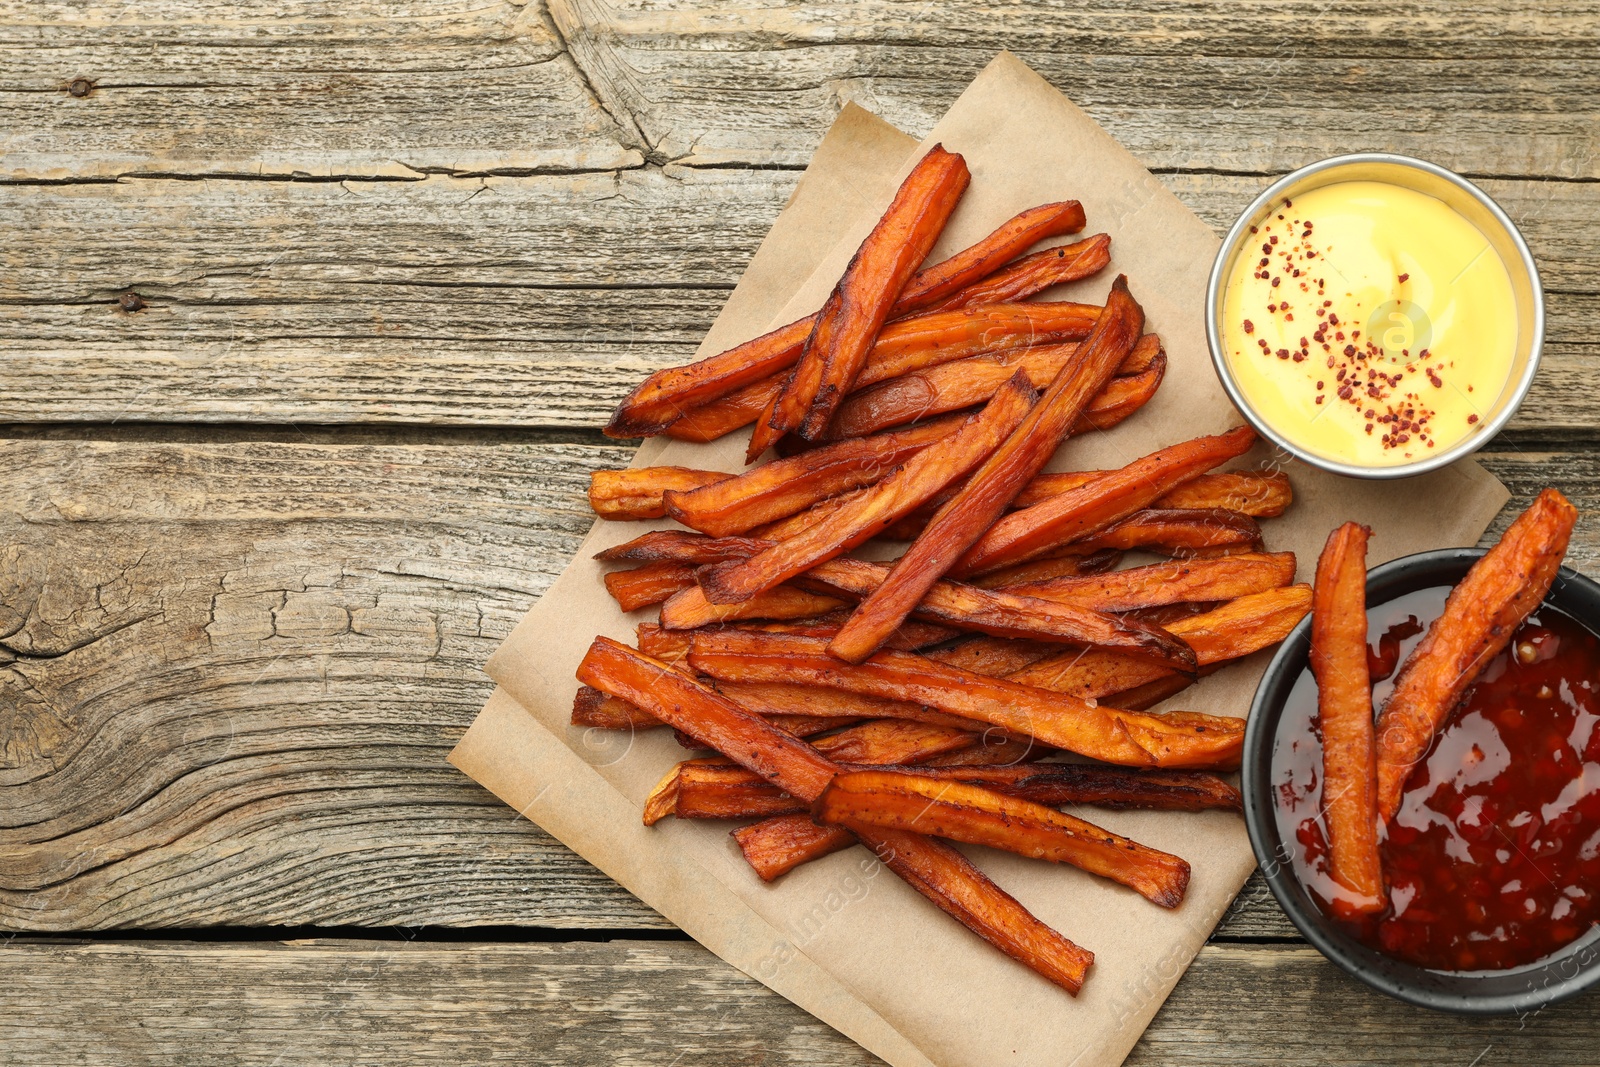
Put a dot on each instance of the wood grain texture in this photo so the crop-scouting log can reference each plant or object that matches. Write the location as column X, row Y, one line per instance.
column 293, row 90
column 538, row 300
column 229, row 676
column 632, row 1002
column 1256, row 87
column 229, row 672
column 486, row 86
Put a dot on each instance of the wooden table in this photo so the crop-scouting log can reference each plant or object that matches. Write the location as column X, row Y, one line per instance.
column 308, row 314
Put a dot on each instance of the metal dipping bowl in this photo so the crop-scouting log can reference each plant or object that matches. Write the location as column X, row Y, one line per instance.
column 1456, row 192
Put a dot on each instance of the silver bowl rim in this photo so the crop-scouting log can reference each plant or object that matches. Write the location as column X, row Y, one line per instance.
column 1467, row 445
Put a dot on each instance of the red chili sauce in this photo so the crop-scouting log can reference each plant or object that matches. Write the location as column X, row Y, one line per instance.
column 1493, row 860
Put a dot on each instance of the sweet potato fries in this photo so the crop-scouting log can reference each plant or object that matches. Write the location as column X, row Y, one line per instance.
column 1001, row 667
column 1479, row 618
column 1344, row 712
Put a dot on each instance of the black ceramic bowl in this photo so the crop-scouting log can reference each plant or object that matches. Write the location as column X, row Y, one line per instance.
column 1522, row 989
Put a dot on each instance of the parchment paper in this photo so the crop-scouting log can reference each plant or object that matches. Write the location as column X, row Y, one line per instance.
column 949, row 995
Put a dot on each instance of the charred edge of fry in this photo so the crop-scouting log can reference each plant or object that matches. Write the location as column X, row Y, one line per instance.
column 594, row 709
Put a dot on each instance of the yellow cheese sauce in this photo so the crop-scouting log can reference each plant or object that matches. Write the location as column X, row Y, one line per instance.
column 1369, row 324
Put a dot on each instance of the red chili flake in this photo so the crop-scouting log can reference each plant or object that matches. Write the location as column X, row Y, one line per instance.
column 1249, row 327
column 1438, row 383
column 1319, row 400
column 1349, row 350
column 1319, row 385
column 1344, row 392
column 1275, row 282
column 1274, row 239
column 1404, row 277
column 1471, row 419
column 1283, row 353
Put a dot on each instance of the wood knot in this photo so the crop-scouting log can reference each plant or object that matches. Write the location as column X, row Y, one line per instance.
column 131, row 301
column 80, row 87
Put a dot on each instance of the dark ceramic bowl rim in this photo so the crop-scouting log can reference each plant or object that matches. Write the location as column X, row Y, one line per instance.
column 1563, row 974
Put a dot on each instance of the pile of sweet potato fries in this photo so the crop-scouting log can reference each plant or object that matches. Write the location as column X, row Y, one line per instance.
column 1365, row 766
column 907, row 703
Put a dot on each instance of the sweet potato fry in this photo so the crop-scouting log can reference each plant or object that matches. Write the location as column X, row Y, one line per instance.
column 775, row 846
column 1229, row 632
column 994, row 657
column 909, row 345
column 785, row 486
column 712, row 789
column 1034, row 274
column 962, row 521
column 678, row 392
column 976, row 262
column 1121, row 397
column 1181, row 532
column 960, row 811
column 1479, row 618
column 778, row 845
column 636, row 492
column 971, row 381
column 1173, row 582
column 668, row 394
column 680, row 546
column 650, row 584
column 933, row 869
column 784, row 698
column 1344, row 711
column 926, row 342
column 921, row 476
column 1124, row 738
column 1056, row 784
column 965, row 607
column 1260, row 494
column 688, row 609
column 884, row 741
column 592, row 708
column 661, row 643
column 1003, row 614
column 1075, row 514
column 860, row 304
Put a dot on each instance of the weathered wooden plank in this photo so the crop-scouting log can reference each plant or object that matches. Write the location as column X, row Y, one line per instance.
column 511, row 301
column 375, row 89
column 294, row 89
column 229, row 676
column 230, row 671
column 1242, row 87
column 633, row 1002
